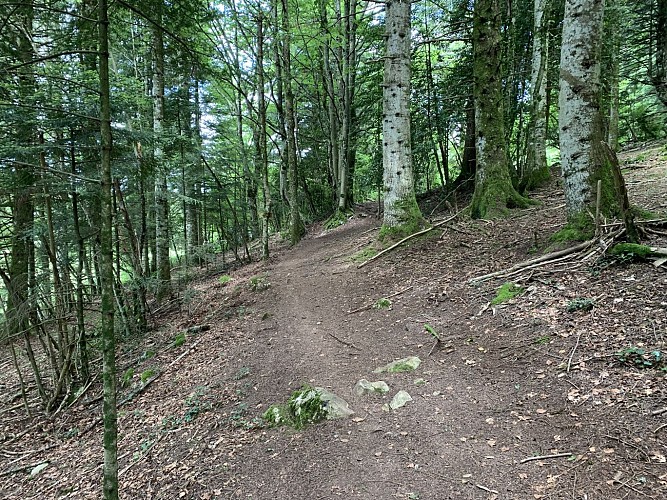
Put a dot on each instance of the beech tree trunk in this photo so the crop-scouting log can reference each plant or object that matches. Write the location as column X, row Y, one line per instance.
column 660, row 77
column 537, row 171
column 580, row 122
column 401, row 212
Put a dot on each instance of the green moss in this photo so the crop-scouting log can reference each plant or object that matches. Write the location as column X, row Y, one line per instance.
column 224, row 279
column 338, row 218
column 642, row 213
column 495, row 199
column 580, row 228
column 410, row 221
column 127, row 377
column 364, row 254
column 506, row 292
column 631, row 250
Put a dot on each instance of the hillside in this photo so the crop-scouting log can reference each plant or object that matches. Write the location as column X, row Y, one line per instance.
column 524, row 399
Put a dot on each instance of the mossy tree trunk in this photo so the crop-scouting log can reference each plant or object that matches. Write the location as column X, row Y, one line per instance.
column 494, row 192
column 110, row 412
column 401, row 212
column 583, row 159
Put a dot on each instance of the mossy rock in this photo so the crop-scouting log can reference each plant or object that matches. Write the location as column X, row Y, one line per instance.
column 632, row 250
column 408, row 364
column 306, row 406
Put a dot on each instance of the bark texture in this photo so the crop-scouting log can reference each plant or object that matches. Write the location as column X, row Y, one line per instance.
column 537, row 171
column 110, row 413
column 401, row 213
column 580, row 123
column 494, row 192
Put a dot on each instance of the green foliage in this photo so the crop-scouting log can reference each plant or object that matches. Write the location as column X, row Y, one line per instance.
column 179, row 340
column 544, row 339
column 304, row 407
column 580, row 304
column 241, row 373
column 148, row 354
column 382, row 304
column 147, row 374
column 259, row 283
column 126, row 379
column 507, row 292
column 224, row 279
column 432, row 332
column 641, row 358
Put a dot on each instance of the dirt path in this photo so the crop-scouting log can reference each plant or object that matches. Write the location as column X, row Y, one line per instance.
column 453, row 440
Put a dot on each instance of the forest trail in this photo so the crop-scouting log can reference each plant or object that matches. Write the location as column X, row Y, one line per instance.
column 513, row 382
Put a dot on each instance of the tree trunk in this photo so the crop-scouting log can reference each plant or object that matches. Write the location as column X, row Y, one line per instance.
column 401, row 212
column 163, row 263
column 260, row 142
column 297, row 229
column 494, row 192
column 581, row 131
column 659, row 78
column 110, row 413
column 537, row 171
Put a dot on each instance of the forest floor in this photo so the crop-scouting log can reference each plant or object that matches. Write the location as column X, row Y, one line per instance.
column 509, row 383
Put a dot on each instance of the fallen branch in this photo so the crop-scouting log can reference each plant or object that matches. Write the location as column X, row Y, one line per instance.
column 486, row 489
column 368, row 306
column 414, row 235
column 349, row 344
column 532, row 262
column 545, row 457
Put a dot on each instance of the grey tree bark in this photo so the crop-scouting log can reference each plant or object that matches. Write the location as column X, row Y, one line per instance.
column 537, row 171
column 580, row 122
column 401, row 212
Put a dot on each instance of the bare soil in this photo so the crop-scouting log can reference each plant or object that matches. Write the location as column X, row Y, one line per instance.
column 509, row 382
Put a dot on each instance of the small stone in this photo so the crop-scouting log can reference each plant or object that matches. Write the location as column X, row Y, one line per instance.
column 419, row 381
column 366, row 387
column 400, row 399
column 38, row 468
column 336, row 406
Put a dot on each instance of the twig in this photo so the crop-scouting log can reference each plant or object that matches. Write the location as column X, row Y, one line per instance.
column 349, row 344
column 368, row 306
column 545, row 457
column 486, row 489
column 418, row 233
column 569, row 360
column 659, row 428
column 659, row 412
